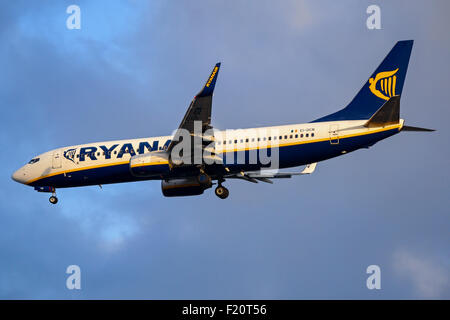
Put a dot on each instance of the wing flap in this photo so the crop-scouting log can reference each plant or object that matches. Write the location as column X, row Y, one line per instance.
column 255, row 176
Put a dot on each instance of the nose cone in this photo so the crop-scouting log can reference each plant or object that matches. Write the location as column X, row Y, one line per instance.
column 19, row 176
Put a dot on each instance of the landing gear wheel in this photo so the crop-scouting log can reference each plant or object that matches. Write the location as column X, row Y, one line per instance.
column 53, row 200
column 222, row 192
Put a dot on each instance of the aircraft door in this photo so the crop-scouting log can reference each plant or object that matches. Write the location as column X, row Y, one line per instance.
column 334, row 134
column 56, row 159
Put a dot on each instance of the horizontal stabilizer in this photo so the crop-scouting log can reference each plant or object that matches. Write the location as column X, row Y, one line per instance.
column 389, row 113
column 417, row 129
column 309, row 168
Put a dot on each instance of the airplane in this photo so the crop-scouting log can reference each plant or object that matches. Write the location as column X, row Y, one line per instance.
column 198, row 156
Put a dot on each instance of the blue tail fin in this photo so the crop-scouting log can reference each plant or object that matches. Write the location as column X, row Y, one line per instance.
column 386, row 82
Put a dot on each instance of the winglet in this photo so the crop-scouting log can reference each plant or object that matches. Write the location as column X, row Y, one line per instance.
column 208, row 89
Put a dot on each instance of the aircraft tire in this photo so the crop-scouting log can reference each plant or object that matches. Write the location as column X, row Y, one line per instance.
column 222, row 192
column 53, row 200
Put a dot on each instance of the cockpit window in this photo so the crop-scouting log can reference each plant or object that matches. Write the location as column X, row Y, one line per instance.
column 33, row 160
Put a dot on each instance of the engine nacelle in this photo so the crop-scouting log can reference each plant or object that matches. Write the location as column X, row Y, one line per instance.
column 150, row 164
column 184, row 187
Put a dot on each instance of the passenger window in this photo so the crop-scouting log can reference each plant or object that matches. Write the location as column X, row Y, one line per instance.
column 246, row 140
column 290, row 137
column 307, row 135
column 242, row 141
column 270, row 138
column 285, row 137
column 224, row 142
column 312, row 134
column 301, row 136
column 296, row 136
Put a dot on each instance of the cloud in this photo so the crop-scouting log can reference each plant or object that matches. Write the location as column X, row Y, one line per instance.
column 428, row 276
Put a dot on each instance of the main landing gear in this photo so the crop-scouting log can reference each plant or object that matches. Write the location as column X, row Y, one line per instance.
column 205, row 180
column 222, row 192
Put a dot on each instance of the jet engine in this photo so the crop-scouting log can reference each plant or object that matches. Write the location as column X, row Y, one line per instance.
column 190, row 186
column 150, row 164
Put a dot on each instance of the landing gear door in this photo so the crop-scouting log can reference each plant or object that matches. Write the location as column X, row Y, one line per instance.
column 56, row 160
column 334, row 134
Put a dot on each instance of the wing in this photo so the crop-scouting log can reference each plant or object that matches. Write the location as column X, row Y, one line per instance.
column 255, row 176
column 198, row 115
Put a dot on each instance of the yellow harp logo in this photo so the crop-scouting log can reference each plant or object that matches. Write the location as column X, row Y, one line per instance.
column 387, row 80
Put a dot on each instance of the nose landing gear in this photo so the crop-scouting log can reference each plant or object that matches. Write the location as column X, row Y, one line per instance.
column 53, row 199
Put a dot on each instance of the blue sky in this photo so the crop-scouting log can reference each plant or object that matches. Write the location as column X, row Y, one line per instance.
column 132, row 70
